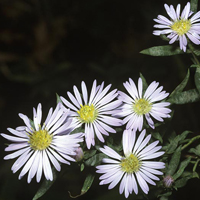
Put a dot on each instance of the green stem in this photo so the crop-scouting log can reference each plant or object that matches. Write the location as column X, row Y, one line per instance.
column 194, row 56
column 190, row 142
column 195, row 166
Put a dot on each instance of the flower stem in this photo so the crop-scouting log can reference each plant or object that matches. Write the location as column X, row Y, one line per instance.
column 194, row 56
column 195, row 166
column 190, row 142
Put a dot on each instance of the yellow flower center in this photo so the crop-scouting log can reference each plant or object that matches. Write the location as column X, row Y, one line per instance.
column 87, row 113
column 130, row 164
column 40, row 140
column 142, row 106
column 181, row 26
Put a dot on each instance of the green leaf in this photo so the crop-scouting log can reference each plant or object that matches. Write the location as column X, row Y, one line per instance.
column 157, row 136
column 182, row 167
column 95, row 160
column 194, row 65
column 193, row 5
column 175, row 142
column 197, row 78
column 58, row 99
column 145, row 85
column 189, row 96
column 82, row 167
column 186, row 176
column 45, row 186
column 196, row 150
column 167, row 50
column 165, row 195
column 86, row 185
column 174, row 162
column 90, row 153
column 182, row 85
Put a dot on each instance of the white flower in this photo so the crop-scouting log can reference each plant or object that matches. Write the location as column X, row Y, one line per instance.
column 134, row 168
column 36, row 146
column 95, row 111
column 138, row 104
column 179, row 25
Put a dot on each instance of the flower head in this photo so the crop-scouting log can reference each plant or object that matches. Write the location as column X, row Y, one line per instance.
column 179, row 26
column 94, row 112
column 133, row 165
column 138, row 104
column 38, row 146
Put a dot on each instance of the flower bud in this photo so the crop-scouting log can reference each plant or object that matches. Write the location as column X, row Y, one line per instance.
column 79, row 154
column 168, row 181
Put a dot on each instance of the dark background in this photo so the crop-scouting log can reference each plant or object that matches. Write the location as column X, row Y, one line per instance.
column 47, row 46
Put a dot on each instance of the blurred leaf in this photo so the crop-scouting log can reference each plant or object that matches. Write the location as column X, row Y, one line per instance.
column 182, row 85
column 165, row 195
column 193, row 5
column 197, row 78
column 145, row 85
column 174, row 142
column 86, row 185
column 182, row 181
column 157, row 136
column 196, row 150
column 167, row 50
column 194, row 65
column 58, row 99
column 89, row 153
column 174, row 162
column 182, row 167
column 95, row 160
column 188, row 96
column 82, row 167
column 45, row 186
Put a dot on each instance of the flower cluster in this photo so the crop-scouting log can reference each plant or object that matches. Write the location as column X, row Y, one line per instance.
column 38, row 146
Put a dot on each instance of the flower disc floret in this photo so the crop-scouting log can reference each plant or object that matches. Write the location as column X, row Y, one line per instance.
column 142, row 106
column 130, row 164
column 181, row 26
column 40, row 140
column 87, row 113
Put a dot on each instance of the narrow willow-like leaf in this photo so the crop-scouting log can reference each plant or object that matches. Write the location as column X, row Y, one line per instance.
column 86, row 185
column 157, row 136
column 166, row 50
column 196, row 150
column 182, row 85
column 95, row 160
column 188, row 96
column 45, row 186
column 175, row 142
column 182, row 181
column 90, row 153
column 174, row 162
column 197, row 79
column 145, row 85
column 58, row 99
column 194, row 65
column 194, row 5
column 182, row 167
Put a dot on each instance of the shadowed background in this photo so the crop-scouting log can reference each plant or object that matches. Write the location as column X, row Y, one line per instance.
column 47, row 46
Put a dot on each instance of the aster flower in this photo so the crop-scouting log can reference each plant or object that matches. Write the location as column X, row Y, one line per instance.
column 94, row 112
column 180, row 26
column 138, row 104
column 134, row 168
column 38, row 146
